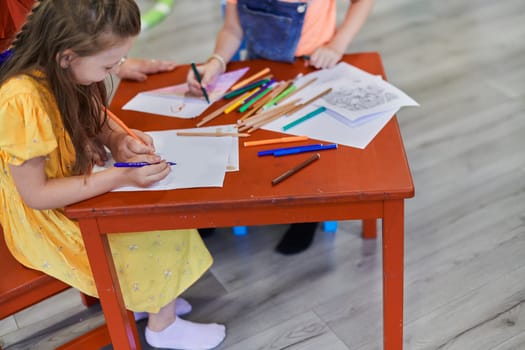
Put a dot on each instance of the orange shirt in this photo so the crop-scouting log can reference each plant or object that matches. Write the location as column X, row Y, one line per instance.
column 319, row 25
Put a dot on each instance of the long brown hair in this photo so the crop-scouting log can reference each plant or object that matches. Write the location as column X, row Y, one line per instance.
column 85, row 27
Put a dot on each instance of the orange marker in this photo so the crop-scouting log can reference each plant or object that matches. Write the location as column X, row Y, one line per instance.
column 277, row 140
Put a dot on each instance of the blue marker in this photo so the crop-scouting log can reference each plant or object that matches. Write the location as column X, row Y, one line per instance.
column 136, row 164
column 302, row 150
column 271, row 152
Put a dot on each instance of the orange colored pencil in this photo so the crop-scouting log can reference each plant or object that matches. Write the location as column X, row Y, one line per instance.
column 124, row 126
column 250, row 79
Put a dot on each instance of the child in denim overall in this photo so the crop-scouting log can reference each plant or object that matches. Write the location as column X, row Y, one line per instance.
column 283, row 31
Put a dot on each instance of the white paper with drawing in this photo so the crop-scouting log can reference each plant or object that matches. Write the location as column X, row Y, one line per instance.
column 200, row 161
column 175, row 100
column 355, row 93
column 358, row 107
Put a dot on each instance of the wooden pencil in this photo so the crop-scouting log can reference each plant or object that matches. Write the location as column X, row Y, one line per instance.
column 243, row 125
column 256, row 106
column 130, row 132
column 297, row 90
column 302, row 105
column 282, row 112
column 223, row 109
column 295, row 169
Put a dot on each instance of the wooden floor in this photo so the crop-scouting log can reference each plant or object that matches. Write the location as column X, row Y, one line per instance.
column 464, row 62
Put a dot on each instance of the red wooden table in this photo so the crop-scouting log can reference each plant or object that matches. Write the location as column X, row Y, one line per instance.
column 347, row 184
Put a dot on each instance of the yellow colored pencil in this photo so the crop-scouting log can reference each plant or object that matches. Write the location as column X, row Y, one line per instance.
column 240, row 101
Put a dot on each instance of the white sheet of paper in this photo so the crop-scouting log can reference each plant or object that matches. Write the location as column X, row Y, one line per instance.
column 175, row 100
column 331, row 127
column 358, row 107
column 355, row 93
column 201, row 161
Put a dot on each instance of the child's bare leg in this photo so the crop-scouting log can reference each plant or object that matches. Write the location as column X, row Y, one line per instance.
column 182, row 307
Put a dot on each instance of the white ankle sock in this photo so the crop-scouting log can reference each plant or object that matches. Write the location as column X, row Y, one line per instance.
column 182, row 307
column 186, row 335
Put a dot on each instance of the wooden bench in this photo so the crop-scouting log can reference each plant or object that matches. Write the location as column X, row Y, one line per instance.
column 21, row 287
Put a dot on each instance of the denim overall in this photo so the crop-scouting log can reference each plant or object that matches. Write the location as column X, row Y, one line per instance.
column 272, row 28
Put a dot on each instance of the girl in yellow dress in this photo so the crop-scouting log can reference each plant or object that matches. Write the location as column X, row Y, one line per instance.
column 53, row 129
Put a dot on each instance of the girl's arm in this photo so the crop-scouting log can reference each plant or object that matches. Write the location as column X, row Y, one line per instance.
column 328, row 55
column 227, row 43
column 41, row 193
column 138, row 69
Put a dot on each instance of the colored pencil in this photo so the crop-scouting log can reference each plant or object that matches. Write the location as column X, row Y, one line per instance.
column 265, row 89
column 245, row 88
column 263, row 116
column 258, row 105
column 250, row 79
column 298, row 89
column 295, row 169
column 289, row 89
column 124, row 126
column 223, row 109
column 285, row 110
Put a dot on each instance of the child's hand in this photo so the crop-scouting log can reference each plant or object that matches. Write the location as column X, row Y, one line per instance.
column 209, row 72
column 325, row 57
column 145, row 176
column 124, row 147
column 138, row 69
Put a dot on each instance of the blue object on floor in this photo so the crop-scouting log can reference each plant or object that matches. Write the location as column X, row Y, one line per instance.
column 330, row 226
column 240, row 230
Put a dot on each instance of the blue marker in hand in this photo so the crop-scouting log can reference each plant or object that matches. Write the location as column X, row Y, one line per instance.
column 136, row 164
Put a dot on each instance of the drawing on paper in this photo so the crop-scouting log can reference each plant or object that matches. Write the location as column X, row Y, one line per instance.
column 360, row 98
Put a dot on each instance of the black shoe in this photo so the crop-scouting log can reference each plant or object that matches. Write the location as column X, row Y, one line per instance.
column 206, row 232
column 297, row 238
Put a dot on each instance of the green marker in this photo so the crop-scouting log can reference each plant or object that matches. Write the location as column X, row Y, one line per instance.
column 255, row 99
column 244, row 89
column 304, row 118
column 280, row 96
column 157, row 13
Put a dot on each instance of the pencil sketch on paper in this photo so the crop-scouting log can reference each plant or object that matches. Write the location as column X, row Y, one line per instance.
column 360, row 98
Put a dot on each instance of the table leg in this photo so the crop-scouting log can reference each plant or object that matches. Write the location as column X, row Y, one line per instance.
column 370, row 228
column 121, row 326
column 393, row 265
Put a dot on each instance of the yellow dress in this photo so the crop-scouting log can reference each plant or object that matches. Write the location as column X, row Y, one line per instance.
column 153, row 267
